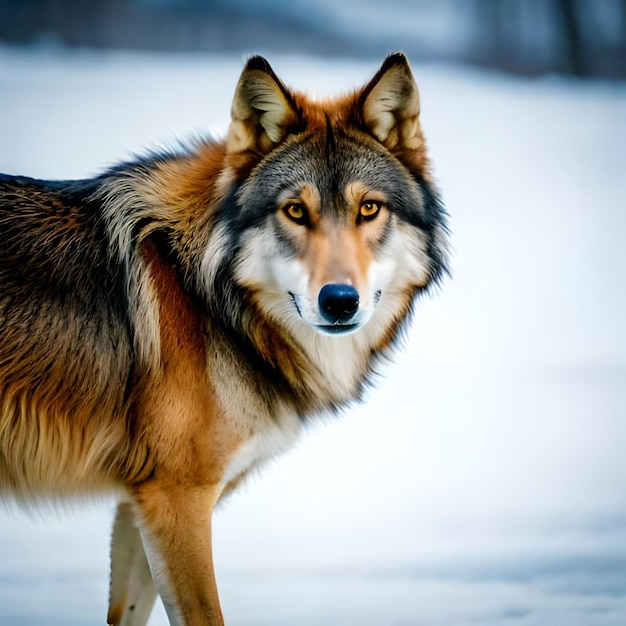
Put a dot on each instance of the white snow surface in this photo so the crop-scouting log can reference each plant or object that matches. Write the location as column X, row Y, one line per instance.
column 483, row 482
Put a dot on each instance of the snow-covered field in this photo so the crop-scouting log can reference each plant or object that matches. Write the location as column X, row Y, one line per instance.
column 484, row 482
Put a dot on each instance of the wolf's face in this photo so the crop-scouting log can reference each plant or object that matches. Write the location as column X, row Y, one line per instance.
column 329, row 241
column 338, row 226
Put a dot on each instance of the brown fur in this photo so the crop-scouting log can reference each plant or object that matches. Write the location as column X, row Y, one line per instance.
column 129, row 363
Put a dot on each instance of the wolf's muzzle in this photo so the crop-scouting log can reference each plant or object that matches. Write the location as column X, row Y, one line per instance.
column 338, row 303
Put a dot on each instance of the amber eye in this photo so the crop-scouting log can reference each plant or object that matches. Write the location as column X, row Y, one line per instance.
column 369, row 210
column 296, row 212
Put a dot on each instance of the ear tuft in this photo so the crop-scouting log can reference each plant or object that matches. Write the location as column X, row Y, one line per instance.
column 258, row 63
column 263, row 109
column 390, row 105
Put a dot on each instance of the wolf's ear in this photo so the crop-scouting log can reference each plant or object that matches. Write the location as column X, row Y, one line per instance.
column 390, row 105
column 263, row 110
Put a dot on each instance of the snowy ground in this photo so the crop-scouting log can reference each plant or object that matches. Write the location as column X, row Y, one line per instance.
column 484, row 482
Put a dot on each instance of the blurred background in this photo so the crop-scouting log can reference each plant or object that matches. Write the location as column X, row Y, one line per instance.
column 578, row 37
column 483, row 481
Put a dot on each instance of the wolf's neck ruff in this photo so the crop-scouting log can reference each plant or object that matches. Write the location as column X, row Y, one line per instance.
column 283, row 222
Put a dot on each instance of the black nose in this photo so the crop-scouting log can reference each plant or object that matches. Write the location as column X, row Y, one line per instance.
column 338, row 303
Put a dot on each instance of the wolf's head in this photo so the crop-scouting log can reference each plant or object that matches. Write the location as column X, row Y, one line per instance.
column 329, row 213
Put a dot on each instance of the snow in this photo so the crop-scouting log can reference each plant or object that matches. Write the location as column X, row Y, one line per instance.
column 483, row 480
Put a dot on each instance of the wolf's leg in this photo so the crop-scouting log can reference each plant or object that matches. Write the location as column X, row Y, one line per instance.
column 132, row 591
column 176, row 532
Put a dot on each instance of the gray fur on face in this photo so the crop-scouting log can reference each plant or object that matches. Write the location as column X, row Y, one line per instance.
column 330, row 167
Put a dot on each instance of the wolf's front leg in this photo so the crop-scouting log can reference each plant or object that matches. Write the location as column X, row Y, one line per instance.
column 175, row 527
column 132, row 591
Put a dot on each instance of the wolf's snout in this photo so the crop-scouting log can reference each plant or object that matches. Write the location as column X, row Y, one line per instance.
column 338, row 303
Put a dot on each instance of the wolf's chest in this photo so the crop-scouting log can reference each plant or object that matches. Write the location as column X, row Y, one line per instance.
column 267, row 423
column 270, row 439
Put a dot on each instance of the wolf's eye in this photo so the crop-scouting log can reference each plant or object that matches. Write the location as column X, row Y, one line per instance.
column 369, row 210
column 296, row 212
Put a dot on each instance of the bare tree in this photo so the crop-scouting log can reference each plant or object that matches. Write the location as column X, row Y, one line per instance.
column 569, row 16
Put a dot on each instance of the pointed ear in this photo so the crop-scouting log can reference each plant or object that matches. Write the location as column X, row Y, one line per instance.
column 390, row 105
column 263, row 111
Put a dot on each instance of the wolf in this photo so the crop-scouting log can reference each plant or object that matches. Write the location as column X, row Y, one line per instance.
column 169, row 325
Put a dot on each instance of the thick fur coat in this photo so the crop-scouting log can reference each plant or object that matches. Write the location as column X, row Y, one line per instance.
column 169, row 325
